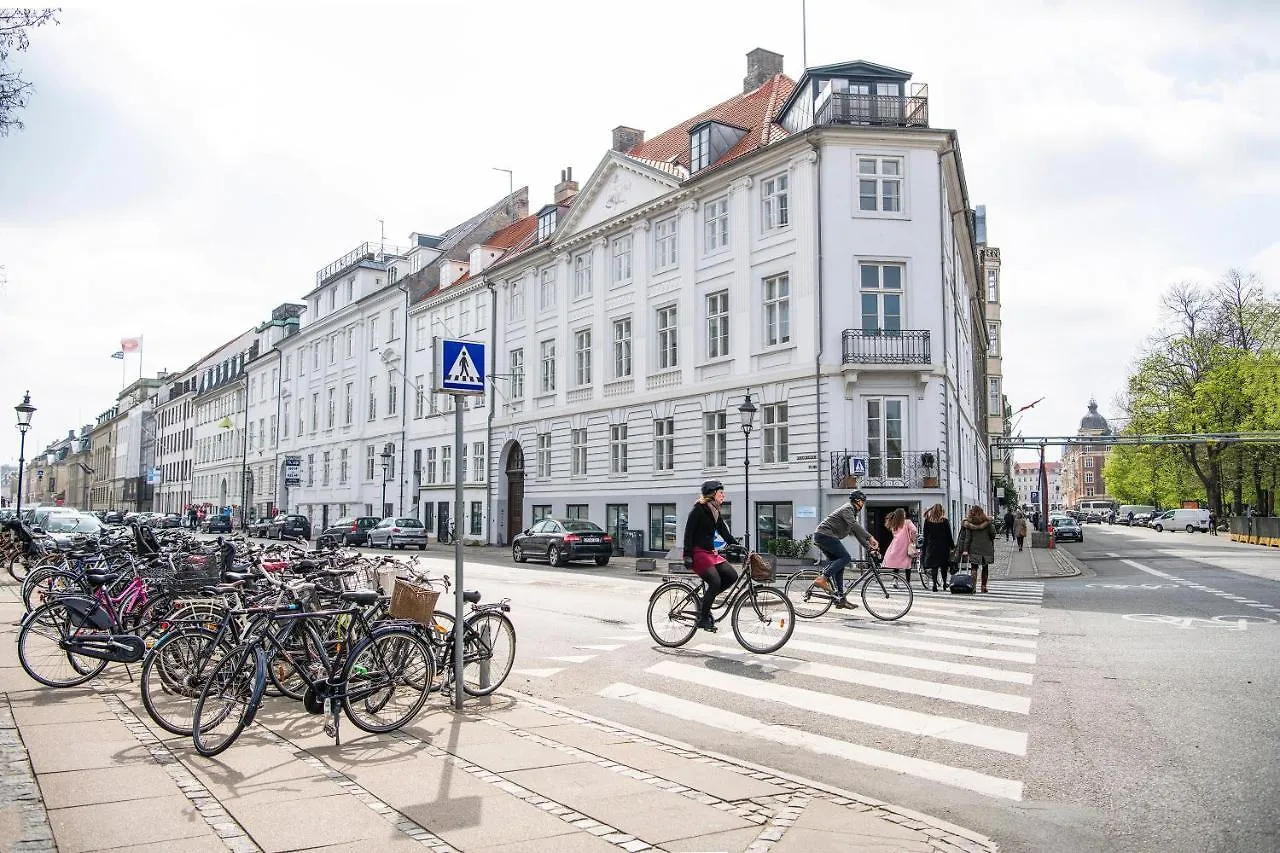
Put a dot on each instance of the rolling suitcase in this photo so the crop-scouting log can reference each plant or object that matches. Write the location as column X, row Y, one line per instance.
column 961, row 583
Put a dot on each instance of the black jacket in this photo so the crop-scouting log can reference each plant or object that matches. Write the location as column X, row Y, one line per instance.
column 700, row 529
column 938, row 543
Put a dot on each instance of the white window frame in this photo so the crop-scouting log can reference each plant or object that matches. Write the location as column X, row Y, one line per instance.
column 667, row 326
column 993, row 395
column 776, row 293
column 368, row 462
column 775, row 446
column 700, row 149
column 546, row 225
column 618, row 449
column 446, row 463
column 515, row 361
column 344, row 466
column 515, row 302
column 715, row 225
column 872, row 174
column 578, row 452
column 544, row 454
column 880, row 291
column 429, row 468
column 623, row 254
column 993, row 339
column 881, row 457
column 664, row 444
column 715, row 439
column 419, row 396
column 547, row 366
column 993, row 285
column 547, row 288
column 348, row 405
column 582, row 263
column 477, row 461
column 717, row 308
column 393, row 395
column 373, row 398
column 666, row 243
column 332, row 408
column 622, row 366
column 582, row 357
column 775, row 210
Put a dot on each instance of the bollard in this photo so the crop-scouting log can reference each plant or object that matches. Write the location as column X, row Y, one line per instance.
column 1052, row 539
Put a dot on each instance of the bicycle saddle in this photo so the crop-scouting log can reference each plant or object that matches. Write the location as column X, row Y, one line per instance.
column 363, row 597
column 236, row 577
column 101, row 579
column 471, row 596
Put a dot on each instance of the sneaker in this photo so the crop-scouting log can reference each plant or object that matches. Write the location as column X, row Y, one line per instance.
column 707, row 624
column 822, row 583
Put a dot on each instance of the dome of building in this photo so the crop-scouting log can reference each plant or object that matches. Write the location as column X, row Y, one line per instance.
column 1093, row 421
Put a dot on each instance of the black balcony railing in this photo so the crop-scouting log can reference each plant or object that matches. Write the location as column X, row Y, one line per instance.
column 878, row 346
column 890, row 468
column 879, row 110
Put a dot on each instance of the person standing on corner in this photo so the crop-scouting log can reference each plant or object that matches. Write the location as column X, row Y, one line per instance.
column 938, row 543
column 700, row 555
column 1020, row 530
column 978, row 542
column 1213, row 523
column 194, row 518
column 1008, row 524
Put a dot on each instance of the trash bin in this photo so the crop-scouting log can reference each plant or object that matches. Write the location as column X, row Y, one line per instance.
column 633, row 543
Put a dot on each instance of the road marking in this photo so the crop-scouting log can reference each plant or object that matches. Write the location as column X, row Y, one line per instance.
column 884, row 716
column 847, row 675
column 538, row 673
column 1229, row 622
column 960, row 614
column 877, row 639
column 612, row 648
column 628, row 638
column 977, row 638
column 741, row 725
column 912, row 618
column 571, row 658
column 1142, row 586
column 972, row 670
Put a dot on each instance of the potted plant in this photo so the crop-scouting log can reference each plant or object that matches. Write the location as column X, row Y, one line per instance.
column 789, row 552
column 927, row 461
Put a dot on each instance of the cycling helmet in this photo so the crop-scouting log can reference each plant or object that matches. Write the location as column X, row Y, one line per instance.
column 710, row 487
column 856, row 495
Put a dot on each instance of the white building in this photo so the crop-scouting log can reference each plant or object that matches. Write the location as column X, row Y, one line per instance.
column 807, row 242
column 262, row 462
column 1026, row 479
column 218, row 427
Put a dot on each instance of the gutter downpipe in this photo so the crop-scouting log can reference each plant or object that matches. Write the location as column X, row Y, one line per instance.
column 946, row 375
column 404, row 404
column 817, row 358
column 493, row 405
column 275, row 441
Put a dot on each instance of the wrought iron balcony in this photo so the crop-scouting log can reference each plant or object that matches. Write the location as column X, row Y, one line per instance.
column 890, row 469
column 908, row 346
column 876, row 110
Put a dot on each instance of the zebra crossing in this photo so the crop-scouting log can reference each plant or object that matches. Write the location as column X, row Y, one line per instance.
column 616, row 641
column 944, row 694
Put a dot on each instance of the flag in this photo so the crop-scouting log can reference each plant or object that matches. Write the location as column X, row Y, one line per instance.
column 130, row 344
column 225, row 423
column 118, row 354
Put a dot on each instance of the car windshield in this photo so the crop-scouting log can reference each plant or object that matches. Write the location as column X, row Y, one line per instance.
column 578, row 526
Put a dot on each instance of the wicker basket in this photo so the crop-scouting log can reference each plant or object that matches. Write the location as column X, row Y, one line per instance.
column 413, row 602
column 761, row 571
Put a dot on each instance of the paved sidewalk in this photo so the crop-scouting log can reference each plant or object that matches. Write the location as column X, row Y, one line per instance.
column 85, row 769
column 1033, row 563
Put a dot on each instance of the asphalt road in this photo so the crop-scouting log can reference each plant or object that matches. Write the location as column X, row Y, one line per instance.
column 1130, row 709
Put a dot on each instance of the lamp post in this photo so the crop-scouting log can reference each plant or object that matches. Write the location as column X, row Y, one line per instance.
column 25, row 410
column 748, row 412
column 387, row 458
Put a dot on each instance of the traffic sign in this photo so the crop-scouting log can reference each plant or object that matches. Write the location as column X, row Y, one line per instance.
column 459, row 367
column 1035, row 497
column 858, row 466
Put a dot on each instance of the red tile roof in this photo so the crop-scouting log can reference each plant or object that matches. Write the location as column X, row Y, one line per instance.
column 757, row 111
column 514, row 234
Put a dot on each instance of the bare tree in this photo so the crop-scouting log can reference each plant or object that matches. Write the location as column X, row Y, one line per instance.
column 15, row 25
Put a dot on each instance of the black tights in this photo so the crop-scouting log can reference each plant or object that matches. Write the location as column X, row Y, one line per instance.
column 933, row 574
column 717, row 579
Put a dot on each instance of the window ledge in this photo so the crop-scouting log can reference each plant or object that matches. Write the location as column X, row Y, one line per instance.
column 665, row 379
column 878, row 214
column 720, row 359
column 543, row 399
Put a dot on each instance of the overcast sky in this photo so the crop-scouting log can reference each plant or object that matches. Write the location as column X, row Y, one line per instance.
column 182, row 173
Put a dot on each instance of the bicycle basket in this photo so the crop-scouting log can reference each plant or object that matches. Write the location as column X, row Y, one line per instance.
column 761, row 571
column 413, row 602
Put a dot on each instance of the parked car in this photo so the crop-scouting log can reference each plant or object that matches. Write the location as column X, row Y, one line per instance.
column 353, row 531
column 258, row 527
column 65, row 527
column 217, row 524
column 1189, row 520
column 113, row 517
column 166, row 521
column 397, row 533
column 560, row 540
column 1067, row 528
column 1143, row 519
column 40, row 518
column 1092, row 517
column 298, row 526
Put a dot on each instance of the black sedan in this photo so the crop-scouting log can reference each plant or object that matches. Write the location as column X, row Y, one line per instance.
column 559, row 540
column 1067, row 528
column 298, row 526
column 217, row 524
column 352, row 531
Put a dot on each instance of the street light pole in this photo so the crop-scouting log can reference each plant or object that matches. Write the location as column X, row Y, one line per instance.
column 25, row 410
column 387, row 456
column 748, row 413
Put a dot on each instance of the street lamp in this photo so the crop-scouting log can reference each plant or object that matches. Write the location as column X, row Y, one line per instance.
column 387, row 458
column 25, row 410
column 748, row 412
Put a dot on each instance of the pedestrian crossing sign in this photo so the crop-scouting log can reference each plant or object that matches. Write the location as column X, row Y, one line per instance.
column 459, row 367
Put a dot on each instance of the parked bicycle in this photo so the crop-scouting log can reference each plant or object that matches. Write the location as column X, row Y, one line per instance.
column 886, row 593
column 762, row 617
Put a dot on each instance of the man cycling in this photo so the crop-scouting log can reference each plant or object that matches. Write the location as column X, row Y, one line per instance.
column 835, row 527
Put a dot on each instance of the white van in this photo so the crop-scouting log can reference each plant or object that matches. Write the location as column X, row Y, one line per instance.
column 1189, row 520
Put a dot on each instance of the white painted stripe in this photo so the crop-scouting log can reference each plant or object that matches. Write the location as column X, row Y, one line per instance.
column 571, row 658
column 963, row 608
column 876, row 638
column 913, row 618
column 884, row 716
column 538, row 673
column 960, row 614
column 846, row 675
column 610, row 648
column 975, row 638
column 630, row 638
column 948, row 667
column 743, row 726
column 1151, row 571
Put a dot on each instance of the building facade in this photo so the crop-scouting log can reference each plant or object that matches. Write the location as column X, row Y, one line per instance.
column 997, row 404
column 1026, row 479
column 1082, row 464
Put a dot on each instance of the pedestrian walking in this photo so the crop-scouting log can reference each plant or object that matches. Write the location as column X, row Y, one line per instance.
column 1008, row 524
column 1213, row 523
column 938, row 544
column 1020, row 529
column 902, row 550
column 978, row 542
column 194, row 518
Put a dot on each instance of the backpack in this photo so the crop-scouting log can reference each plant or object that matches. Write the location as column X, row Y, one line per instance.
column 961, row 583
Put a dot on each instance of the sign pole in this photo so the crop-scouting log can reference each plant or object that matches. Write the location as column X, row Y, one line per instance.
column 458, row 450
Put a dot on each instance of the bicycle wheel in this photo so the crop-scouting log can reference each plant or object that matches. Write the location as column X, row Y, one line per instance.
column 387, row 677
column 228, row 700
column 887, row 595
column 488, row 653
column 764, row 620
column 173, row 674
column 303, row 652
column 42, row 652
column 807, row 599
column 45, row 582
column 673, row 614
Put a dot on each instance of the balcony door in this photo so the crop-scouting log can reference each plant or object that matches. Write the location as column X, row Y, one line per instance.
column 881, row 291
column 886, row 426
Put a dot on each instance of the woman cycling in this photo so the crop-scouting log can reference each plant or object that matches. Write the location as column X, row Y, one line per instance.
column 700, row 555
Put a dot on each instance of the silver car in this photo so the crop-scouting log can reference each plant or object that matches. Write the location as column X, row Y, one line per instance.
column 398, row 533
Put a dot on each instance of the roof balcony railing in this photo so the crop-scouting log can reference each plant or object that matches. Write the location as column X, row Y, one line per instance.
column 875, row 110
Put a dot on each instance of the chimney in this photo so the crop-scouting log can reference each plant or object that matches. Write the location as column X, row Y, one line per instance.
column 567, row 188
column 761, row 65
column 625, row 138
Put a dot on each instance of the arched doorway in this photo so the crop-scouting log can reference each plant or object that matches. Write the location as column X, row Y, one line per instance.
column 515, row 491
column 222, row 494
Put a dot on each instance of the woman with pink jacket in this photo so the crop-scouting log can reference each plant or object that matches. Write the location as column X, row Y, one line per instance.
column 902, row 550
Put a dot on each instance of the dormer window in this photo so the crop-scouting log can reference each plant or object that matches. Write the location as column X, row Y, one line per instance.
column 700, row 148
column 546, row 222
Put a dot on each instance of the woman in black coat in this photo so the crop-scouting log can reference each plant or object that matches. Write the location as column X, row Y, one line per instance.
column 938, row 544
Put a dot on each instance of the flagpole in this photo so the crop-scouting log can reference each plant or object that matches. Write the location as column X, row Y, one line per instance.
column 124, row 376
column 139, row 356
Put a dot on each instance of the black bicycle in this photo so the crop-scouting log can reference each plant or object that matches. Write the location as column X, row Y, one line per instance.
column 762, row 617
column 886, row 593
